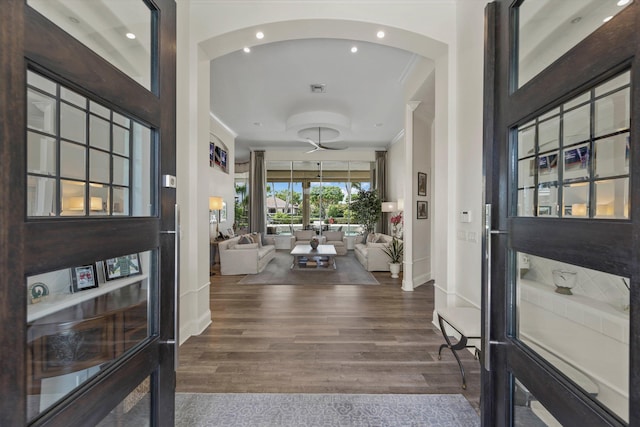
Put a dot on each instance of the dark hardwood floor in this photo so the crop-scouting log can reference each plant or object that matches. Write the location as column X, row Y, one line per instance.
column 322, row 339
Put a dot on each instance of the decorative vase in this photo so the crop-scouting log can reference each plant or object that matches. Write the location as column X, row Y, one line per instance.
column 564, row 281
column 394, row 267
column 314, row 244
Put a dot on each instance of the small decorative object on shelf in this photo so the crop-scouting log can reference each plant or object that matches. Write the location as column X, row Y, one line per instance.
column 314, row 243
column 38, row 292
column 564, row 281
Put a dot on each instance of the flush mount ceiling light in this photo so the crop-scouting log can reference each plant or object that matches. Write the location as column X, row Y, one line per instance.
column 623, row 2
column 354, row 49
column 130, row 36
column 380, row 34
column 259, row 35
column 246, row 49
column 74, row 20
column 318, row 87
column 607, row 19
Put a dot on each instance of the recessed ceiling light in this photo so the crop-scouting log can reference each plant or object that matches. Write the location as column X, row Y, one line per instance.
column 354, row 49
column 131, row 36
column 380, row 34
column 257, row 124
column 246, row 49
column 607, row 19
column 259, row 35
column 74, row 20
column 576, row 19
column 623, row 2
column 378, row 125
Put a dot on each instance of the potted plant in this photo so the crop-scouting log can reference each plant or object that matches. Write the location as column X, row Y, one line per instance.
column 395, row 250
column 366, row 209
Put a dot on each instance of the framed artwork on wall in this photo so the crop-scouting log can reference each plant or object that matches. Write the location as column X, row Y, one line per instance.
column 121, row 267
column 83, row 277
column 422, row 184
column 211, row 153
column 423, row 209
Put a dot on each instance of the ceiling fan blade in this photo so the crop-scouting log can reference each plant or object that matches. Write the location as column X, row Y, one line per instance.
column 314, row 150
column 324, row 147
column 310, row 141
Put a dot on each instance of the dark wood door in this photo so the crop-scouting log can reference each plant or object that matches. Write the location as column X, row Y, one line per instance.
column 121, row 331
column 562, row 168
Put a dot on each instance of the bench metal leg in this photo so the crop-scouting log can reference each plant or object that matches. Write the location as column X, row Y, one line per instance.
column 453, row 347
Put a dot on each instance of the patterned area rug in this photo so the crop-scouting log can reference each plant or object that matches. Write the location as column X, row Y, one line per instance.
column 349, row 271
column 311, row 410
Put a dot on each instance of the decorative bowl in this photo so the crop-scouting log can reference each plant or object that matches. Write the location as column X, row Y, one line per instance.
column 564, row 281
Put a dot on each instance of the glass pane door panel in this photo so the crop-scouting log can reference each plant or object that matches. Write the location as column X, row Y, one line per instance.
column 612, row 113
column 576, row 125
column 525, row 202
column 41, row 152
column 547, row 29
column 548, row 200
column 41, row 196
column 99, row 132
column 72, row 160
column 576, row 200
column 612, row 156
column 526, row 141
column 576, row 163
column 134, row 410
column 120, row 154
column 99, row 166
column 117, row 30
column 99, row 199
column 41, row 112
column 577, row 319
column 606, row 114
column 73, row 124
column 82, row 319
column 528, row 411
column 549, row 134
column 612, row 199
column 73, row 198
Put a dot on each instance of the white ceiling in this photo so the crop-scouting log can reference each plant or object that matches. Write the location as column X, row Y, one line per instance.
column 265, row 97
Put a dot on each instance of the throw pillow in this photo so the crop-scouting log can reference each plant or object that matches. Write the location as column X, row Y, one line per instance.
column 256, row 238
column 372, row 238
column 245, row 239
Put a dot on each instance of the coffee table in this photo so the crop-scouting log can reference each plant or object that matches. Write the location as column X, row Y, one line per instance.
column 306, row 257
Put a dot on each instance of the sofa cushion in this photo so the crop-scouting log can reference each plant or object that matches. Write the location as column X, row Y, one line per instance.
column 246, row 246
column 257, row 238
column 333, row 236
column 377, row 244
column 304, row 234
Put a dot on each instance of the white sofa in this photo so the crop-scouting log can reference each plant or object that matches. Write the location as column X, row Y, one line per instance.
column 249, row 258
column 370, row 253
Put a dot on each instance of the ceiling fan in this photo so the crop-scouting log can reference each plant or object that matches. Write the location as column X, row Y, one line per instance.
column 319, row 146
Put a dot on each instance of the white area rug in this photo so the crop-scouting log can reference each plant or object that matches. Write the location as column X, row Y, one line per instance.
column 311, row 410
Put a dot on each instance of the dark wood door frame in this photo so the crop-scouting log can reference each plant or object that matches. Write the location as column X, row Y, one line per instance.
column 27, row 39
column 610, row 246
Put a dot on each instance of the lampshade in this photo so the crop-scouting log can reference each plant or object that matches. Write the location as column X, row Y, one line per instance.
column 389, row 206
column 75, row 204
column 215, row 203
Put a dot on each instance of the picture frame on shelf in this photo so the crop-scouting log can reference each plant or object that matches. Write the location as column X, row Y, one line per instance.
column 121, row 267
column 422, row 184
column 422, row 209
column 83, row 277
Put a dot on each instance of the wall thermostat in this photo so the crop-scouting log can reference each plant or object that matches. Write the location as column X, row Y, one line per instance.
column 465, row 216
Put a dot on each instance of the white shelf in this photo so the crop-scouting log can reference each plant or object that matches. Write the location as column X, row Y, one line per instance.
column 57, row 302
